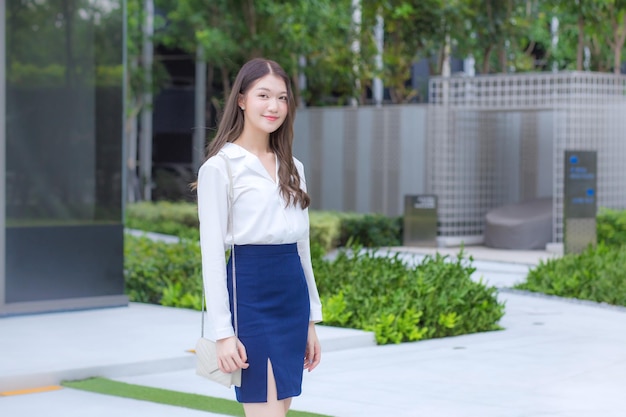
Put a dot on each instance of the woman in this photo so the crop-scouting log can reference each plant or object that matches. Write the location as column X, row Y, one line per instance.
column 277, row 299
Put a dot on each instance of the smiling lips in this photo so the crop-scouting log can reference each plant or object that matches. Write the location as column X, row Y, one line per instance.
column 271, row 118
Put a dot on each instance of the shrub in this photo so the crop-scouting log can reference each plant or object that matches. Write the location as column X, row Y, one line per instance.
column 597, row 274
column 163, row 273
column 372, row 230
column 358, row 289
column 171, row 218
column 329, row 229
column 325, row 229
column 332, row 229
column 611, row 227
column 437, row 298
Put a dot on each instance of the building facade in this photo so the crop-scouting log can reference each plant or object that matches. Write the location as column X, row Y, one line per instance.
column 61, row 145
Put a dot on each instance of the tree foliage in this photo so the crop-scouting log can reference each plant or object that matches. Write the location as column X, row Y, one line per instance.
column 314, row 39
column 231, row 32
column 408, row 26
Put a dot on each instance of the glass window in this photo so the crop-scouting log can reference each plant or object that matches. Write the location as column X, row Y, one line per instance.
column 64, row 105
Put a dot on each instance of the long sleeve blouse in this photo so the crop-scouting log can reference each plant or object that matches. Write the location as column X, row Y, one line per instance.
column 260, row 216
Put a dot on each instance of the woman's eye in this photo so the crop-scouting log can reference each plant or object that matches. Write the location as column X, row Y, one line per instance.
column 284, row 98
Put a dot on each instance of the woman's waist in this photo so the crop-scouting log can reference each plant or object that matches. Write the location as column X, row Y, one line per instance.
column 266, row 249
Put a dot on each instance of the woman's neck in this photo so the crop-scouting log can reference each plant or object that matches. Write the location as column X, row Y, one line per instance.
column 255, row 143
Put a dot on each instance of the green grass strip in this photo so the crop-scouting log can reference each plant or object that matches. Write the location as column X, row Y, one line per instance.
column 164, row 396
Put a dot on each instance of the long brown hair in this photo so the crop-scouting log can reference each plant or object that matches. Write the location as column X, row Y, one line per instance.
column 281, row 140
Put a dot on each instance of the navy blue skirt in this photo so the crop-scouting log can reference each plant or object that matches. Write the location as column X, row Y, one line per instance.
column 273, row 316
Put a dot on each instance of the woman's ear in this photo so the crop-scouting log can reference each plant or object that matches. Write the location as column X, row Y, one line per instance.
column 240, row 101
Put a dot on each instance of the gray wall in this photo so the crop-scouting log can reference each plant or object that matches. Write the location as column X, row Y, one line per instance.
column 367, row 159
column 362, row 159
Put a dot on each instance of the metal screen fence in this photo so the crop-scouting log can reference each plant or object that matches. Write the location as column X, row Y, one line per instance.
column 487, row 142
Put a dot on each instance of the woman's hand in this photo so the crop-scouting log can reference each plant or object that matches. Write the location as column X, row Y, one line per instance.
column 231, row 354
column 313, row 353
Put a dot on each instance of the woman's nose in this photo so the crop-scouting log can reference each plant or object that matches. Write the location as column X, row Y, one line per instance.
column 273, row 104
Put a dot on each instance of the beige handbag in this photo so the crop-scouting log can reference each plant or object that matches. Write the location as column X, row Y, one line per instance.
column 206, row 350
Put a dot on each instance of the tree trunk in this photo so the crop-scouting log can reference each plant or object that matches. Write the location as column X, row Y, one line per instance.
column 581, row 43
column 617, row 61
column 502, row 57
column 132, row 184
column 145, row 147
column 486, row 56
column 225, row 80
column 133, row 192
column 250, row 17
column 199, row 134
column 620, row 38
column 210, row 76
column 439, row 68
column 443, row 58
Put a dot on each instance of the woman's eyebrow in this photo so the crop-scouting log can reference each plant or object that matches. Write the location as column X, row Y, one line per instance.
column 268, row 90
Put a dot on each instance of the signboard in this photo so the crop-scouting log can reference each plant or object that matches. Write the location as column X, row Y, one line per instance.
column 420, row 220
column 580, row 200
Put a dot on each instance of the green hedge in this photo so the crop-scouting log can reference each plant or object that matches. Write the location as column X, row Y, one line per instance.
column 611, row 227
column 325, row 228
column 370, row 292
column 171, row 218
column 437, row 298
column 163, row 273
column 332, row 229
column 597, row 274
column 361, row 291
column 372, row 230
column 329, row 229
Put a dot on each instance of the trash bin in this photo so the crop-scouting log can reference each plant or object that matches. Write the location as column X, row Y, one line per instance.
column 420, row 220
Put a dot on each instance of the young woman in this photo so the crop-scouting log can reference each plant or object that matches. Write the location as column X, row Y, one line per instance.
column 277, row 298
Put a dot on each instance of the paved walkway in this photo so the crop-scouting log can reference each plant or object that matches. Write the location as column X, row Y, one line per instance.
column 554, row 358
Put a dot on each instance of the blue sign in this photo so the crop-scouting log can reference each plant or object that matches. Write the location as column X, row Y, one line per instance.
column 580, row 200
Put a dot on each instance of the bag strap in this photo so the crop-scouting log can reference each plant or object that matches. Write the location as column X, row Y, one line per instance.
column 232, row 249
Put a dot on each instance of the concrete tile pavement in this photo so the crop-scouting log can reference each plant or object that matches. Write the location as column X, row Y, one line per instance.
column 44, row 349
column 554, row 358
column 525, row 257
column 74, row 403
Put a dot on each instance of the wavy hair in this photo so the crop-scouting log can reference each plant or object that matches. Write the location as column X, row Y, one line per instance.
column 232, row 121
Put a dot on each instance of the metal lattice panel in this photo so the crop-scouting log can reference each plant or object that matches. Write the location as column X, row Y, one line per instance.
column 465, row 147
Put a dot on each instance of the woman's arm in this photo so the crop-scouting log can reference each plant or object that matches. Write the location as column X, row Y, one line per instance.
column 213, row 215
column 304, row 250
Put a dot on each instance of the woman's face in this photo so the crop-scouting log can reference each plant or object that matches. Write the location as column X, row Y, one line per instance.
column 265, row 104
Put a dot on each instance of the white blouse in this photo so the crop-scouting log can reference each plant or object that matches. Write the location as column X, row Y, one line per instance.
column 260, row 217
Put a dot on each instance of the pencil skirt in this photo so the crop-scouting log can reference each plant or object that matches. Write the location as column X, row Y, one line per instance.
column 273, row 313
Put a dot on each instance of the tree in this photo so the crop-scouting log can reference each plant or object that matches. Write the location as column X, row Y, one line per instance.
column 495, row 26
column 576, row 17
column 232, row 31
column 312, row 39
column 407, row 28
column 315, row 33
column 451, row 34
column 615, row 12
